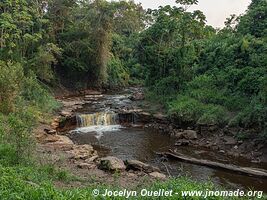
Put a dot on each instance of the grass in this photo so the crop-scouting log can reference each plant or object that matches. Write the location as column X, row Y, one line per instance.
column 36, row 183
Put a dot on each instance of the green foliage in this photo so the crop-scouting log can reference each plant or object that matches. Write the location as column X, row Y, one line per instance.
column 11, row 79
column 186, row 109
column 16, row 137
column 43, row 60
column 118, row 76
column 203, row 76
column 189, row 110
column 254, row 22
column 91, row 35
column 214, row 114
column 34, row 92
column 29, row 183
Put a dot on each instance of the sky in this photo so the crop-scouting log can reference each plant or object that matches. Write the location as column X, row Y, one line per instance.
column 216, row 11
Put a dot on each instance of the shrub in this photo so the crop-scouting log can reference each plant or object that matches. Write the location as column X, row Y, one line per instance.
column 36, row 95
column 118, row 75
column 11, row 79
column 253, row 115
column 213, row 114
column 19, row 134
column 186, row 109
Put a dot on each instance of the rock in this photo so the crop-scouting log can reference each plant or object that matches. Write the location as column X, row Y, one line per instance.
column 92, row 159
column 50, row 131
column 86, row 166
column 160, row 117
column 57, row 120
column 55, row 125
column 138, row 96
column 93, row 96
column 158, row 175
column 187, row 134
column 230, row 140
column 182, row 142
column 83, row 152
column 132, row 175
column 213, row 128
column 111, row 163
column 58, row 142
column 179, row 135
column 64, row 140
column 140, row 166
column 65, row 113
column 51, row 138
column 190, row 134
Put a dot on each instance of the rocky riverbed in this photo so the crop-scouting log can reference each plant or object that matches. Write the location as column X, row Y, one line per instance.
column 86, row 159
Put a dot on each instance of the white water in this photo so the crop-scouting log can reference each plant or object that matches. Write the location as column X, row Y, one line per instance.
column 99, row 129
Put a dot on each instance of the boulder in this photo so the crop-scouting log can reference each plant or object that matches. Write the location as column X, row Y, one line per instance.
column 190, row 134
column 140, row 166
column 83, row 152
column 58, row 142
column 111, row 163
column 158, row 175
column 178, row 135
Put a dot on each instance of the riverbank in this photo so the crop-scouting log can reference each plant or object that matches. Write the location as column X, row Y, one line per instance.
column 236, row 142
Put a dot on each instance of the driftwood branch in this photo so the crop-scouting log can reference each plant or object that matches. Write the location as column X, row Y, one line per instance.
column 261, row 173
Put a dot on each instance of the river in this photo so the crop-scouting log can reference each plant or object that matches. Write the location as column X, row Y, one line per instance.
column 98, row 124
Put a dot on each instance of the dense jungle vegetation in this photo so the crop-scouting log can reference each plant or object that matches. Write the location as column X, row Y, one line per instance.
column 200, row 74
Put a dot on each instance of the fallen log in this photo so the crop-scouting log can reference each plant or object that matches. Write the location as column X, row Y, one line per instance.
column 261, row 173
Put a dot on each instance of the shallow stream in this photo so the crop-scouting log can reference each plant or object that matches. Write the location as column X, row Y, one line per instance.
column 99, row 126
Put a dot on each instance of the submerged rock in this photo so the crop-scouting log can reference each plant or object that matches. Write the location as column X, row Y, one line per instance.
column 111, row 163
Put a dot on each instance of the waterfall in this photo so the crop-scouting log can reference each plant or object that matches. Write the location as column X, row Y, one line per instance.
column 97, row 119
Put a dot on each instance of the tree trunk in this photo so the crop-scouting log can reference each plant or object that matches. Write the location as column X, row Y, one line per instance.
column 261, row 173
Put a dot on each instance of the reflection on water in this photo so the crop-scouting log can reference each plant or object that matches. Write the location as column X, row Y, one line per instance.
column 135, row 143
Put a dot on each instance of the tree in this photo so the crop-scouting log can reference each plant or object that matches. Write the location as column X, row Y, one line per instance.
column 254, row 22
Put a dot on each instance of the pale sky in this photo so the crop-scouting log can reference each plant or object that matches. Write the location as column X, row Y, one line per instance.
column 216, row 11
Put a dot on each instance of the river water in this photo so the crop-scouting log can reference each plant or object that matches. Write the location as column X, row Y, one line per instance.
column 99, row 126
